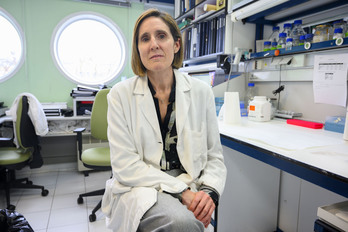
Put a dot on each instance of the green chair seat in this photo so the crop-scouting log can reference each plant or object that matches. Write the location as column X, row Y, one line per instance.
column 13, row 155
column 98, row 156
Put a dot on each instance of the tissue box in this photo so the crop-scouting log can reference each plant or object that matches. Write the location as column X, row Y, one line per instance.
column 335, row 124
column 219, row 101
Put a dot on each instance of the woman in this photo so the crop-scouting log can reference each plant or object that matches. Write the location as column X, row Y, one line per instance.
column 166, row 156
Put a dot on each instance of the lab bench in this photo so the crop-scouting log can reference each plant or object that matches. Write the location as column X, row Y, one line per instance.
column 316, row 155
column 262, row 154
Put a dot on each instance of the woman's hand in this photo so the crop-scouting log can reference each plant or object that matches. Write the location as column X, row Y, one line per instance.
column 201, row 204
column 187, row 197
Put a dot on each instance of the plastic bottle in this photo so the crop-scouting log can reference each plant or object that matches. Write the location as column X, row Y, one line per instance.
column 309, row 38
column 275, row 35
column 267, row 46
column 340, row 24
column 287, row 28
column 302, row 40
column 282, row 40
column 274, row 45
column 296, row 32
column 338, row 33
column 289, row 44
column 250, row 93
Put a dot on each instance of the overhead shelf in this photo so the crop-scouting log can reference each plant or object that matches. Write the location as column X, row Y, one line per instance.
column 331, row 44
column 200, row 68
column 202, row 59
column 272, row 12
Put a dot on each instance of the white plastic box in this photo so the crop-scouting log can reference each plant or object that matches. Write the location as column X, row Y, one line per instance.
column 335, row 215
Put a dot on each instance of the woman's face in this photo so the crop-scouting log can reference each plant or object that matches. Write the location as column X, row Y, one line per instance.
column 156, row 45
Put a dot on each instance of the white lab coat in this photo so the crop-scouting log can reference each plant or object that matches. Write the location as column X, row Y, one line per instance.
column 136, row 148
column 35, row 112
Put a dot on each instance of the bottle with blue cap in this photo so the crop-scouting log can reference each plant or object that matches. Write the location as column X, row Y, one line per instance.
column 274, row 45
column 296, row 32
column 266, row 46
column 302, row 40
column 275, row 35
column 287, row 30
column 338, row 33
column 289, row 44
column 282, row 40
column 250, row 93
column 309, row 38
column 339, row 24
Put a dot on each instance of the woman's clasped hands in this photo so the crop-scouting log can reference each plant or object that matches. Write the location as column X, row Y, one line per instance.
column 200, row 203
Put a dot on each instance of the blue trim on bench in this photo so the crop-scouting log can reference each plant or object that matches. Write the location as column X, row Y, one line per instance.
column 322, row 178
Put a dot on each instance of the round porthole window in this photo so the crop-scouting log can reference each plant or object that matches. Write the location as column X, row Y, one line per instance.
column 89, row 49
column 12, row 46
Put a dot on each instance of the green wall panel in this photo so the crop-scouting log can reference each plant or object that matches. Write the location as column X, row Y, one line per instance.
column 38, row 19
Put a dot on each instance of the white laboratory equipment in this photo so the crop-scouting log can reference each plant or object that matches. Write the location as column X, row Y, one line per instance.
column 260, row 109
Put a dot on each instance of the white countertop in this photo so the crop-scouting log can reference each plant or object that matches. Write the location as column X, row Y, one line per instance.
column 60, row 120
column 319, row 148
column 52, row 118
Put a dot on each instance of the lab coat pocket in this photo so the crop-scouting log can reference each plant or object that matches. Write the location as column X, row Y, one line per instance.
column 198, row 145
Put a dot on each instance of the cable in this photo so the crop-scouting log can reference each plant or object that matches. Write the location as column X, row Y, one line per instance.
column 229, row 74
column 280, row 88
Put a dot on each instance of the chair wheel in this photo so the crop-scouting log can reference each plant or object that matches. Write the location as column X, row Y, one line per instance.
column 44, row 192
column 11, row 207
column 80, row 200
column 92, row 217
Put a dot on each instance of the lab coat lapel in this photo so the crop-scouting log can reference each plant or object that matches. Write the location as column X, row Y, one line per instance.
column 183, row 100
column 147, row 105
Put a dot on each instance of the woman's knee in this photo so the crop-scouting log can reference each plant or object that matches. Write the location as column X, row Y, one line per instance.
column 168, row 214
column 186, row 222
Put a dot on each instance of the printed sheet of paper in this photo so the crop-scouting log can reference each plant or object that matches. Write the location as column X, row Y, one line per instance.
column 330, row 79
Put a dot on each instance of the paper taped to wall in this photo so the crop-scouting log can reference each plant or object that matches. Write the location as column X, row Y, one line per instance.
column 330, row 79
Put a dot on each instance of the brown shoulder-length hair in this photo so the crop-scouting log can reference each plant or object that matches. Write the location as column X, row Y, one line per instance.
column 137, row 66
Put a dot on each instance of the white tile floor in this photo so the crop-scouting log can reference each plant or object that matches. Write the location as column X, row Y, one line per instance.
column 59, row 211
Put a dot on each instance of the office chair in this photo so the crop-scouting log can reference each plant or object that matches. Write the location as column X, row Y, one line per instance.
column 97, row 158
column 12, row 158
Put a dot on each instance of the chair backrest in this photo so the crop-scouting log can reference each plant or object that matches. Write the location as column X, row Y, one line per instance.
column 99, row 122
column 25, row 131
